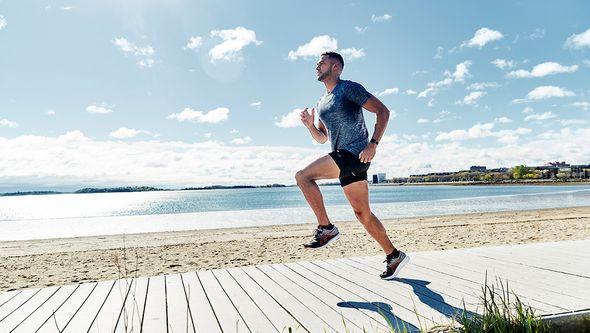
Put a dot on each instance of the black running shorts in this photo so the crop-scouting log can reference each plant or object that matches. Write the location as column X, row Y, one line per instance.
column 351, row 168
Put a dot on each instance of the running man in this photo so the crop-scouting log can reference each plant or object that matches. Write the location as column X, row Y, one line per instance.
column 341, row 121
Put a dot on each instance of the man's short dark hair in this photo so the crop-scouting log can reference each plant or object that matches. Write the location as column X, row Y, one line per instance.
column 335, row 56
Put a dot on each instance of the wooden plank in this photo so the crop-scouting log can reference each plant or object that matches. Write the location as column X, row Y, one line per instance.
column 544, row 281
column 154, row 317
column 479, row 278
column 45, row 312
column 253, row 316
column 130, row 318
column 109, row 314
column 228, row 316
column 25, row 311
column 62, row 316
column 5, row 297
column 17, row 302
column 534, row 258
column 308, row 320
column 331, row 317
column 398, row 307
column 279, row 317
column 363, row 313
column 82, row 320
column 179, row 314
column 201, row 311
column 437, row 288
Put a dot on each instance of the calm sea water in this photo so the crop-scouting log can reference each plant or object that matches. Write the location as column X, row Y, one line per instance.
column 70, row 215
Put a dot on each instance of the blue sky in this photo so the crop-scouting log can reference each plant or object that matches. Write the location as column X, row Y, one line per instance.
column 175, row 93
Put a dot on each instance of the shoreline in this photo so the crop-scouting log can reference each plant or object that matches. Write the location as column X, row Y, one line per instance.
column 40, row 263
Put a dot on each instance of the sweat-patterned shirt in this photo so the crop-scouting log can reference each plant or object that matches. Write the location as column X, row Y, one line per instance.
column 342, row 112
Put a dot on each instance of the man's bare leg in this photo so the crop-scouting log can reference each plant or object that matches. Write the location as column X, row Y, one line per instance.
column 322, row 168
column 357, row 194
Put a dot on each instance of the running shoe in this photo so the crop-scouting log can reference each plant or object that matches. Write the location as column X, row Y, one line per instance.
column 394, row 265
column 322, row 237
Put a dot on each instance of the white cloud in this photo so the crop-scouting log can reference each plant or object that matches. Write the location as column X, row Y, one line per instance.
column 578, row 41
column 194, row 43
column 380, row 18
column 234, row 131
column 360, row 30
column 207, row 135
column 473, row 97
column 71, row 159
column 256, row 105
column 439, row 52
column 8, row 123
column 67, row 8
column 419, row 72
column 475, row 132
column 314, row 48
column 388, row 91
column 126, row 133
column 583, row 105
column 503, row 120
column 587, row 62
column 545, row 92
column 50, row 112
column 352, row 53
column 544, row 69
column 234, row 40
column 483, row 85
column 422, row 121
column 144, row 53
column 212, row 117
column 570, row 122
column 538, row 34
column 527, row 110
column 504, row 64
column 241, row 141
column 480, row 131
column 461, row 72
column 98, row 109
column 291, row 119
column 482, row 37
column 411, row 92
column 3, row 22
column 540, row 117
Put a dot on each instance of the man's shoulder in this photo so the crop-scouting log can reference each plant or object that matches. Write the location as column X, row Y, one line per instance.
column 348, row 84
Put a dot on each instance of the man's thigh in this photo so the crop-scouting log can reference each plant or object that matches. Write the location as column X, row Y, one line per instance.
column 322, row 168
column 357, row 194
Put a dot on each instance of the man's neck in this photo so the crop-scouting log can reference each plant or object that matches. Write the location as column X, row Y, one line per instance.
column 331, row 83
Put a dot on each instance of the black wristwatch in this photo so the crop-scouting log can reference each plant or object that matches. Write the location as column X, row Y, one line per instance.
column 374, row 141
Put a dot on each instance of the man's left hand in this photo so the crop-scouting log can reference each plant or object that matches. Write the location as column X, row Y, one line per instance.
column 368, row 153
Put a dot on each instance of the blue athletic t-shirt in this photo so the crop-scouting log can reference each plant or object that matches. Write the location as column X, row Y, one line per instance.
column 342, row 113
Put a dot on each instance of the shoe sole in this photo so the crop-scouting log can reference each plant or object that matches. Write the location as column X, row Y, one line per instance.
column 398, row 269
column 335, row 238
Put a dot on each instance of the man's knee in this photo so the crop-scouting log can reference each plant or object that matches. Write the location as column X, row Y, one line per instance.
column 364, row 216
column 302, row 177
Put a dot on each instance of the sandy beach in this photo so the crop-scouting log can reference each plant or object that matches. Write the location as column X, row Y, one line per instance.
column 39, row 263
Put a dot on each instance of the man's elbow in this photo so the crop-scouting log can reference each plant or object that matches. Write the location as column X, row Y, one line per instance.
column 384, row 113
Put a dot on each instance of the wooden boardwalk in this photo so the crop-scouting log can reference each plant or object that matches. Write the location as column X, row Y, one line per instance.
column 332, row 295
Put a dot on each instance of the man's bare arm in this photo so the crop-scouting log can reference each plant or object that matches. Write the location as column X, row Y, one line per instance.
column 320, row 133
column 374, row 105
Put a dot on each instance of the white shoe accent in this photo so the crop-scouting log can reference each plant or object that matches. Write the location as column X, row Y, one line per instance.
column 398, row 269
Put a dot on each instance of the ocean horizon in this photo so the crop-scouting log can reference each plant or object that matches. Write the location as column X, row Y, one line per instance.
column 73, row 215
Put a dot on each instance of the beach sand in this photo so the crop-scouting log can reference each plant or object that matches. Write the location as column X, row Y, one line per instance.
column 39, row 263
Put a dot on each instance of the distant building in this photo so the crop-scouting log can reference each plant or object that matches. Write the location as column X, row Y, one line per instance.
column 378, row 178
column 477, row 168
